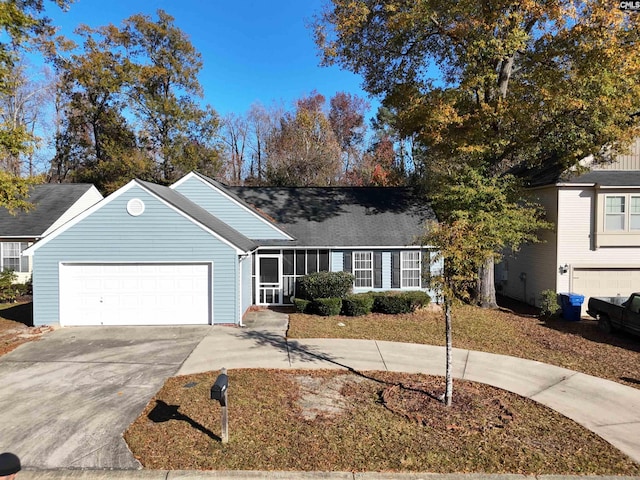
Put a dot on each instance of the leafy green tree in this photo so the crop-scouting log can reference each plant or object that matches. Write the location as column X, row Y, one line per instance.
column 127, row 109
column 499, row 219
column 94, row 142
column 14, row 191
column 164, row 81
column 496, row 86
column 482, row 215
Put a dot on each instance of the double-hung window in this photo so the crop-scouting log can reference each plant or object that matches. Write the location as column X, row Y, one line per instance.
column 363, row 269
column 622, row 213
column 634, row 213
column 614, row 213
column 12, row 256
column 410, row 269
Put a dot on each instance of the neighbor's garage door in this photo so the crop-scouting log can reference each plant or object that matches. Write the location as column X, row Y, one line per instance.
column 607, row 282
column 135, row 294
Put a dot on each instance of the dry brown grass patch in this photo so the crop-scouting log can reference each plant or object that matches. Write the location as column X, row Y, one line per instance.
column 378, row 421
column 578, row 346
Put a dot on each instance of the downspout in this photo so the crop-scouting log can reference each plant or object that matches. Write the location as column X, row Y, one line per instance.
column 241, row 258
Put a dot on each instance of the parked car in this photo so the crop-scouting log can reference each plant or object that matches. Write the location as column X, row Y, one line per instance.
column 616, row 313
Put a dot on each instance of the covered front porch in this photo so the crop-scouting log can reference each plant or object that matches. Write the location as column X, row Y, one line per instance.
column 275, row 272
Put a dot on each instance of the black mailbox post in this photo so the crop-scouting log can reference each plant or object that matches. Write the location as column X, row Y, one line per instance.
column 219, row 393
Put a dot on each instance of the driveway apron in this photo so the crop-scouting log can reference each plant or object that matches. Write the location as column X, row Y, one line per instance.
column 66, row 399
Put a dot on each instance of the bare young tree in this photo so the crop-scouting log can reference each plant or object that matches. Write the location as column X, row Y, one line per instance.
column 235, row 131
column 24, row 104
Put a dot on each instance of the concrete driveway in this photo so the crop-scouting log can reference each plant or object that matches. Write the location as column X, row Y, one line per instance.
column 66, row 399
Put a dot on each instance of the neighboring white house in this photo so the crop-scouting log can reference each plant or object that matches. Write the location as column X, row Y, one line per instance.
column 54, row 204
column 594, row 249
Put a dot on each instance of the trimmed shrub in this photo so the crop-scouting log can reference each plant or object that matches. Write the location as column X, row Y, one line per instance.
column 325, row 285
column 418, row 299
column 391, row 304
column 302, row 305
column 327, row 307
column 8, row 290
column 549, row 303
column 356, row 305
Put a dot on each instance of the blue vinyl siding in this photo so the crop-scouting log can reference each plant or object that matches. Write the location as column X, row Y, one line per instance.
column 227, row 210
column 160, row 234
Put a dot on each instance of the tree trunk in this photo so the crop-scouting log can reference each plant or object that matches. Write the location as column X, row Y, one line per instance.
column 448, row 392
column 486, row 284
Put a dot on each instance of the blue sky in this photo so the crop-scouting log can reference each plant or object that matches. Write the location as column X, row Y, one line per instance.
column 252, row 50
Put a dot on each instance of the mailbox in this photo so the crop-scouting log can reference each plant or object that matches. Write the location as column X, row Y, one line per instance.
column 219, row 388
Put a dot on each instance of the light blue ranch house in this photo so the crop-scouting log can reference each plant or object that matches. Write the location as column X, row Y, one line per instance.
column 200, row 252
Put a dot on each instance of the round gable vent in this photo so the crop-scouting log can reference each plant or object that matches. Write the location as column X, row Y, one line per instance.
column 135, row 207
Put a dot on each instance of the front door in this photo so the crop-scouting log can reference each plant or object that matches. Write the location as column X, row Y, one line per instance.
column 269, row 283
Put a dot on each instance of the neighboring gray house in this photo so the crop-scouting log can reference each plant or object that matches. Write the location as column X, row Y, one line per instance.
column 594, row 249
column 199, row 252
column 53, row 205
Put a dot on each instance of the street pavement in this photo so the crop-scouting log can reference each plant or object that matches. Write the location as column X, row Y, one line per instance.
column 67, row 399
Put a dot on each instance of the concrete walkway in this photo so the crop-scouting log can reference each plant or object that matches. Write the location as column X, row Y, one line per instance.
column 609, row 409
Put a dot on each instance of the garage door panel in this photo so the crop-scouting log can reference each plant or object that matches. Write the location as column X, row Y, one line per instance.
column 605, row 282
column 135, row 294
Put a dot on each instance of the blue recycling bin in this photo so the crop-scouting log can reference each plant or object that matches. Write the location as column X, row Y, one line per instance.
column 571, row 304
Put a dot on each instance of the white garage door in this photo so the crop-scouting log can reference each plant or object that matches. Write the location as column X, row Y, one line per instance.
column 135, row 294
column 608, row 282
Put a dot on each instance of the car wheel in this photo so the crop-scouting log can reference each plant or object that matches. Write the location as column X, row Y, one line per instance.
column 604, row 324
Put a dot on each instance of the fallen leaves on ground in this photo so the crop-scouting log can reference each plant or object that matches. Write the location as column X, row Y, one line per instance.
column 383, row 421
column 578, row 346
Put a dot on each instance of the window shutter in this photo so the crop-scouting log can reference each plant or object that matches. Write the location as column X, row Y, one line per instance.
column 346, row 265
column 395, row 269
column 377, row 269
column 426, row 269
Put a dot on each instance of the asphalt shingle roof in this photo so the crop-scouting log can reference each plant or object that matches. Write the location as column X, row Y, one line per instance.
column 341, row 216
column 608, row 178
column 200, row 215
column 50, row 201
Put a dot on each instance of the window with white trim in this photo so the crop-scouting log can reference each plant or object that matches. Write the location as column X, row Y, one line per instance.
column 621, row 213
column 614, row 213
column 363, row 269
column 410, row 269
column 11, row 256
column 634, row 213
